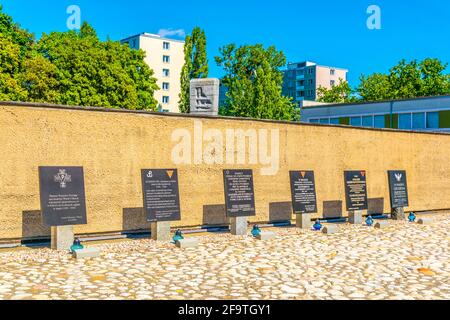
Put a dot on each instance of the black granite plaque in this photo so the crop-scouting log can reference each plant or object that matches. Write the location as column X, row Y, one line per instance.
column 239, row 193
column 303, row 192
column 161, row 194
column 398, row 188
column 62, row 195
column 355, row 190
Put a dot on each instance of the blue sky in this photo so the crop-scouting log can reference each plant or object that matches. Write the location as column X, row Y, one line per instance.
column 329, row 32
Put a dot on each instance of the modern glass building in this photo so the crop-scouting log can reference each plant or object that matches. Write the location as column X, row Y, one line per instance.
column 428, row 113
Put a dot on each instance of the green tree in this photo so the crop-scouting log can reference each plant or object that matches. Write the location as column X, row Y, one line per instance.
column 433, row 80
column 72, row 68
column 12, row 31
column 254, row 80
column 15, row 45
column 94, row 73
column 339, row 93
column 374, row 87
column 195, row 65
column 39, row 80
column 10, row 67
column 406, row 80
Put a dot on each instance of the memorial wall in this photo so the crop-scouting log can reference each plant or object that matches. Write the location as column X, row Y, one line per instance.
column 113, row 147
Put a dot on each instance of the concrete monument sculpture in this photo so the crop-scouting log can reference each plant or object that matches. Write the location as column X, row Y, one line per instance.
column 204, row 96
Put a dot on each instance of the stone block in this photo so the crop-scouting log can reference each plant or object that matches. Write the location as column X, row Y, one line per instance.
column 266, row 236
column 424, row 221
column 204, row 96
column 381, row 224
column 238, row 226
column 330, row 229
column 86, row 253
column 355, row 217
column 303, row 221
column 160, row 231
column 187, row 243
column 398, row 214
column 62, row 237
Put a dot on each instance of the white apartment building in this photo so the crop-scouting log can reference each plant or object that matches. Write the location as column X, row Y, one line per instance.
column 166, row 58
column 302, row 80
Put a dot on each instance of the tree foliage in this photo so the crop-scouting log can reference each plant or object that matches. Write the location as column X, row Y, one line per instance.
column 74, row 68
column 91, row 72
column 339, row 93
column 195, row 65
column 254, row 81
column 404, row 80
column 407, row 80
column 15, row 44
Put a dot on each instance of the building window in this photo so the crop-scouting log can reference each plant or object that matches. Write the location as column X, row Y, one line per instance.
column 311, row 81
column 404, row 121
column 165, row 99
column 418, row 120
column 379, row 121
column 166, row 59
column 165, row 86
column 332, row 72
column 302, row 93
column 314, row 121
column 166, row 72
column 332, row 83
column 334, row 121
column 355, row 121
column 432, row 120
column 367, row 121
column 324, row 121
column 166, row 45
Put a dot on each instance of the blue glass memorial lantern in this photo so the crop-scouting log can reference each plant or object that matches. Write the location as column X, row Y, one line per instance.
column 256, row 231
column 369, row 221
column 412, row 217
column 317, row 226
column 76, row 245
column 178, row 236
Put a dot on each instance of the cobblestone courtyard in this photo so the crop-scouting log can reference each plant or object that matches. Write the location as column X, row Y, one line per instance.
column 403, row 261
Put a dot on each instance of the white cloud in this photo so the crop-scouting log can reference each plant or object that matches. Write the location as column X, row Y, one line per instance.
column 171, row 32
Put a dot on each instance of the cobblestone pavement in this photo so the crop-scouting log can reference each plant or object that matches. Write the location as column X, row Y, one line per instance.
column 403, row 261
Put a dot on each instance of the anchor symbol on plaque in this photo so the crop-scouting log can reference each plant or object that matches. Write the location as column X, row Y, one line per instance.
column 63, row 178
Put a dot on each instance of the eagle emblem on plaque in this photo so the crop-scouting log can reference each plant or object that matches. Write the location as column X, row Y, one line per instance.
column 63, row 178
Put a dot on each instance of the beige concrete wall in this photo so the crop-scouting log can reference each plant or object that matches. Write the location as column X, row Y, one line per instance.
column 114, row 146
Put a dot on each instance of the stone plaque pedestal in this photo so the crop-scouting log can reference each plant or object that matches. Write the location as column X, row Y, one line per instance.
column 424, row 221
column 238, row 226
column 62, row 237
column 398, row 213
column 330, row 229
column 160, row 230
column 303, row 221
column 355, row 217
